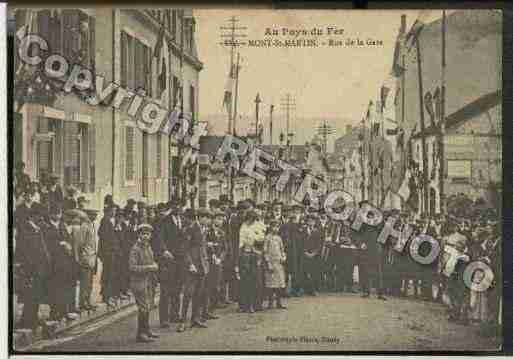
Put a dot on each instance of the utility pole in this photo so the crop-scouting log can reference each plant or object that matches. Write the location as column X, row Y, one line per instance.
column 257, row 105
column 288, row 104
column 237, row 70
column 232, row 40
column 441, row 159
column 422, row 132
column 271, row 124
column 324, row 131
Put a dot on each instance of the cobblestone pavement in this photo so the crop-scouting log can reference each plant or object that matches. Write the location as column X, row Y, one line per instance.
column 326, row 322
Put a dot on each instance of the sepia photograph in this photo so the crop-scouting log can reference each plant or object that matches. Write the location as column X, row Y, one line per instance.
column 255, row 180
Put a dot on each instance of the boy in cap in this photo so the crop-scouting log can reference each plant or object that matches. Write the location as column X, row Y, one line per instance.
column 142, row 265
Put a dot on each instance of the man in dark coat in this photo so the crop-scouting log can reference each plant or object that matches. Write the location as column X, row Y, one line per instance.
column 55, row 196
column 62, row 277
column 196, row 262
column 294, row 241
column 109, row 252
column 169, row 249
column 312, row 247
column 22, row 179
column 370, row 268
column 34, row 258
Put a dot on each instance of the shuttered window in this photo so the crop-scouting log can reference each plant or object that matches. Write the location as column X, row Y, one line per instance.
column 92, row 158
column 192, row 102
column 124, row 67
column 130, row 146
column 159, row 155
column 72, row 155
column 145, row 167
column 136, row 61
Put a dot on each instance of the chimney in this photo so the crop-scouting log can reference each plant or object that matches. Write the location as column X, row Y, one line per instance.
column 349, row 129
column 402, row 29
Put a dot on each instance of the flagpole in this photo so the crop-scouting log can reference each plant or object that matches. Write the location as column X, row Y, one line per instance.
column 441, row 159
column 236, row 95
column 422, row 130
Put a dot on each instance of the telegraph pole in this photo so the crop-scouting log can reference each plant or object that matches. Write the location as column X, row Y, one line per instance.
column 271, row 125
column 257, row 105
column 288, row 104
column 325, row 130
column 441, row 159
column 422, row 131
column 232, row 40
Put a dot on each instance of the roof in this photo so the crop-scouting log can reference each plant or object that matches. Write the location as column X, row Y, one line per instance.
column 467, row 112
column 210, row 144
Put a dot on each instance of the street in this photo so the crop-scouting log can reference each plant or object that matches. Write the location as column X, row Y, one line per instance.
column 338, row 322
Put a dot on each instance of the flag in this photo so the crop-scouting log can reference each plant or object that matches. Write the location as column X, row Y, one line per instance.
column 428, row 104
column 417, row 26
column 160, row 43
column 397, row 92
column 404, row 189
column 163, row 77
column 367, row 117
column 437, row 98
column 384, row 93
column 397, row 67
column 391, row 131
column 228, row 89
column 400, row 139
column 375, row 129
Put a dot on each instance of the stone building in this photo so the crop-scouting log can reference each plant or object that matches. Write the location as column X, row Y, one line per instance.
column 98, row 148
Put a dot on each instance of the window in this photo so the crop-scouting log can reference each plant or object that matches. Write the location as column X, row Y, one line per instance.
column 136, row 60
column 145, row 167
column 130, row 143
column 176, row 89
column 192, row 102
column 78, row 35
column 92, row 158
column 159, row 155
column 174, row 20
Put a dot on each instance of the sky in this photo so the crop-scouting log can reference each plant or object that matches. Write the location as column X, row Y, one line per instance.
column 327, row 83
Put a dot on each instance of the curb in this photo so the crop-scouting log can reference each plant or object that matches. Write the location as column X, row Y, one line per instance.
column 24, row 339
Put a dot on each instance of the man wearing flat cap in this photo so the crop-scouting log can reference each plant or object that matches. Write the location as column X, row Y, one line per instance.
column 142, row 265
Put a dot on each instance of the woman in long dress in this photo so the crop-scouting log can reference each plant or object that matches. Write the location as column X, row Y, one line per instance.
column 274, row 255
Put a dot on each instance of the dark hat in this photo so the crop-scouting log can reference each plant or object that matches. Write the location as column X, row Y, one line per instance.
column 91, row 212
column 38, row 209
column 262, row 206
column 203, row 212
column 214, row 203
column 55, row 208
column 83, row 199
column 161, row 207
column 20, row 164
column 311, row 216
column 130, row 202
column 277, row 203
column 144, row 227
column 243, row 205
column 141, row 204
column 296, row 207
column 189, row 213
column 218, row 213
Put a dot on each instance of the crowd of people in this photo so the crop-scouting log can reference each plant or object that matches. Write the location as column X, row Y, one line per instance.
column 251, row 254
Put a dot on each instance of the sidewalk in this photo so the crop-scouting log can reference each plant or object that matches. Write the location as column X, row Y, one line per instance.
column 23, row 338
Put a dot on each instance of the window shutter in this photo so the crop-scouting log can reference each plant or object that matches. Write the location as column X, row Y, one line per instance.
column 129, row 165
column 131, row 62
column 92, row 158
column 139, row 69
column 43, row 24
column 124, row 49
column 92, row 43
column 55, row 34
column 159, row 155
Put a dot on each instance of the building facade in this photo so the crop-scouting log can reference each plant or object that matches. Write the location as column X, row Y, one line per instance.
column 471, row 46
column 99, row 148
